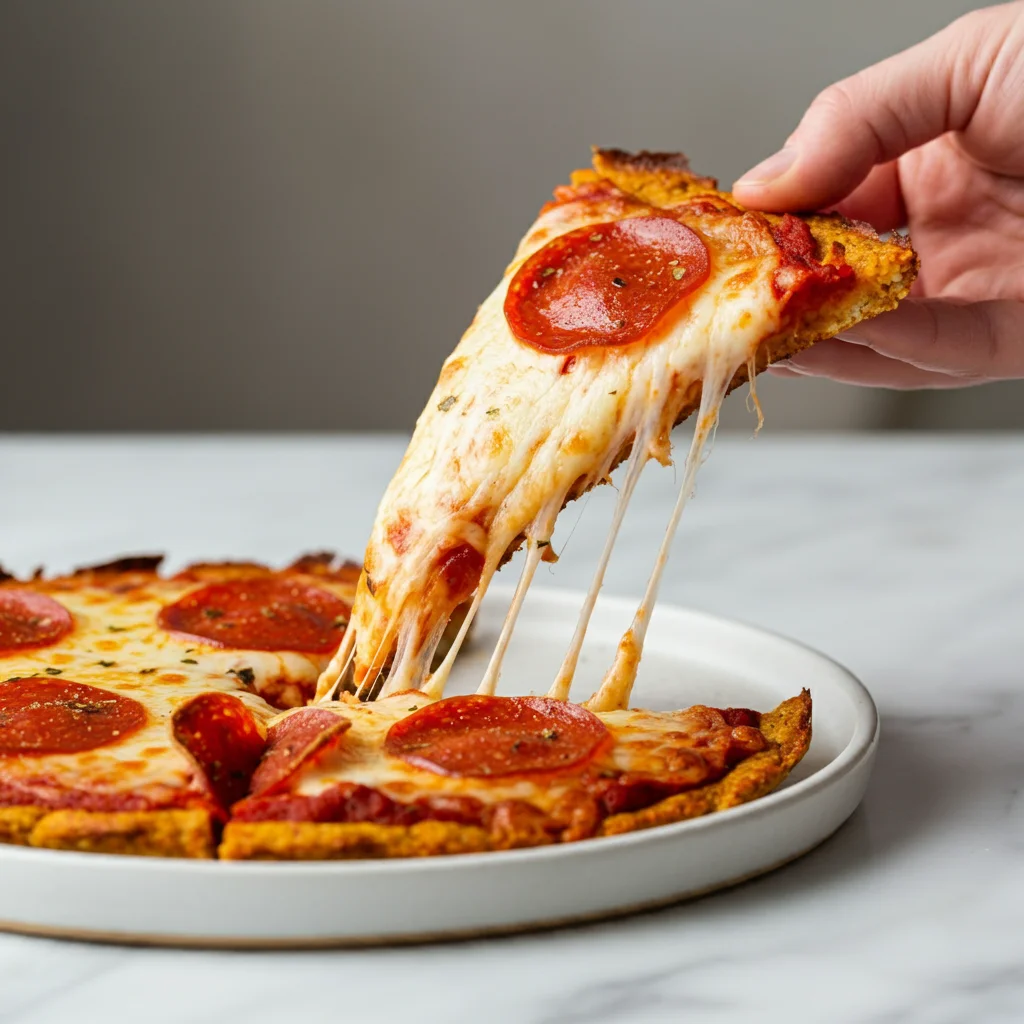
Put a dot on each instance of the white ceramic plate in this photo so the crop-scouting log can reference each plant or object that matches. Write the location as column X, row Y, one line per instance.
column 690, row 658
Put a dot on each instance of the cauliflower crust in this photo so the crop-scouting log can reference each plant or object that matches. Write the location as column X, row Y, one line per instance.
column 174, row 833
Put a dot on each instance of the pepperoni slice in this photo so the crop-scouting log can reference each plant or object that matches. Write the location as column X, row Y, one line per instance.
column 220, row 736
column 260, row 615
column 28, row 619
column 58, row 716
column 607, row 284
column 296, row 740
column 487, row 736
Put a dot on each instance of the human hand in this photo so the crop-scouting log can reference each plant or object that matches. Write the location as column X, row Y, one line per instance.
column 931, row 139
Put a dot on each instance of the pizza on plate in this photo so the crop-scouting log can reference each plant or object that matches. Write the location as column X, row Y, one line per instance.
column 118, row 687
column 167, row 716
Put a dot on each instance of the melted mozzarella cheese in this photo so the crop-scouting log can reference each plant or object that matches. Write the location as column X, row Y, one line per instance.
column 116, row 645
column 511, row 433
column 643, row 742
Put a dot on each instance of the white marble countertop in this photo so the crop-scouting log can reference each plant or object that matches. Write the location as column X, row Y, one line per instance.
column 901, row 558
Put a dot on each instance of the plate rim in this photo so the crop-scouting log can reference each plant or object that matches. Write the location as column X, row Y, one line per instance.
column 861, row 746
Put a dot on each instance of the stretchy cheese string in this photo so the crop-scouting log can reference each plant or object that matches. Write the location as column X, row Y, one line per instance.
column 338, row 667
column 434, row 686
column 617, row 685
column 752, row 396
column 637, row 460
column 540, row 531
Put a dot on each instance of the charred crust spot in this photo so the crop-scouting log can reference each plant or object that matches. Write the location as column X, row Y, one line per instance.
column 130, row 563
column 313, row 562
column 198, row 569
column 646, row 162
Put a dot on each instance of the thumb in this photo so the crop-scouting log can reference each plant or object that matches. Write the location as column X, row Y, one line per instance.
column 974, row 341
column 873, row 117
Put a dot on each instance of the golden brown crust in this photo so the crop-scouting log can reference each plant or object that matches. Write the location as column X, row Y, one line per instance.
column 303, row 840
column 787, row 729
column 17, row 823
column 173, row 833
column 661, row 179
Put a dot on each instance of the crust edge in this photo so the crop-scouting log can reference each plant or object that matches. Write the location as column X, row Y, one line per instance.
column 163, row 833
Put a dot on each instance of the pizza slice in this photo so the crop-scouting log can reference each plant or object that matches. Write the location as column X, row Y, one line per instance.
column 133, row 707
column 407, row 776
column 640, row 295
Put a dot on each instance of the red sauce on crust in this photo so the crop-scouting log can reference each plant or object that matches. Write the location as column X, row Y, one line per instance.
column 44, row 791
column 801, row 279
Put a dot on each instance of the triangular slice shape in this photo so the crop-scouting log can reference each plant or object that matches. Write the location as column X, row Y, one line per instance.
column 640, row 295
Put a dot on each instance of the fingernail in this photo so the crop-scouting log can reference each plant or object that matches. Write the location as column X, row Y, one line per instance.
column 771, row 169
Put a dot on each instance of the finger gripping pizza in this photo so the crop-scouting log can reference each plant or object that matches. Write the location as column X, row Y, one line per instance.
column 168, row 716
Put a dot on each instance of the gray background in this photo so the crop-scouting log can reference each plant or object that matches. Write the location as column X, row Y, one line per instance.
column 238, row 215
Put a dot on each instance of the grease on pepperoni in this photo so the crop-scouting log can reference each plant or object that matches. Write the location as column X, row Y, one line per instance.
column 222, row 739
column 296, row 740
column 606, row 284
column 29, row 620
column 60, row 716
column 260, row 614
column 483, row 736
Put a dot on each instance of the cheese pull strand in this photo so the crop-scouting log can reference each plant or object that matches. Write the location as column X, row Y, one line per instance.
column 538, row 538
column 339, row 666
column 617, row 685
column 637, row 460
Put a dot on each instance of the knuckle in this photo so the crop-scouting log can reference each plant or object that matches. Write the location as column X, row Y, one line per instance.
column 970, row 24
column 859, row 105
column 837, row 99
